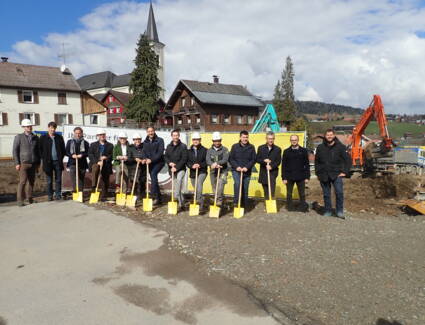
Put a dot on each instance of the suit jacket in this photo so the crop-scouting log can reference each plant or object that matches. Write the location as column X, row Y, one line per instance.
column 73, row 148
column 94, row 155
column 201, row 159
column 46, row 151
column 295, row 164
column 274, row 155
column 25, row 152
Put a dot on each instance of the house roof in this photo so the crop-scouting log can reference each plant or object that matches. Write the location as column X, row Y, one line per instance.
column 104, row 79
column 123, row 98
column 218, row 93
column 36, row 76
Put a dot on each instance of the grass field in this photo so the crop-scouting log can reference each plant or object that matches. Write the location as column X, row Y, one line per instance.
column 395, row 129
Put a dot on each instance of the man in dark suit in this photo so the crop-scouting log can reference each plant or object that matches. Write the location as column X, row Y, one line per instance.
column 269, row 157
column 100, row 156
column 77, row 149
column 52, row 151
column 295, row 170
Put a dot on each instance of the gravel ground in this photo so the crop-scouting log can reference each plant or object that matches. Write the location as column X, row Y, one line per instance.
column 308, row 268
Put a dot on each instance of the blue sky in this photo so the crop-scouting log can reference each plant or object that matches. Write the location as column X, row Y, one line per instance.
column 34, row 19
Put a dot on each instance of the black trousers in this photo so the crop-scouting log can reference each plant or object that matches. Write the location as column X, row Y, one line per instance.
column 301, row 191
column 272, row 188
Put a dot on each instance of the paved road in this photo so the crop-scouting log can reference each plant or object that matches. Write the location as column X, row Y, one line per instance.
column 66, row 263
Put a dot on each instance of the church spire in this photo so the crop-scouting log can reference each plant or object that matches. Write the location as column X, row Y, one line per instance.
column 151, row 31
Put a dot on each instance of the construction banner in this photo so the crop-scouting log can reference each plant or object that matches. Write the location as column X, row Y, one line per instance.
column 257, row 139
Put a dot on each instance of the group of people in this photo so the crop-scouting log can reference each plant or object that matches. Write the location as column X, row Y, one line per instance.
column 332, row 163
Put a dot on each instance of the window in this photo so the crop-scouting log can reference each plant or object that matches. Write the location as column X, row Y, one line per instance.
column 192, row 101
column 94, row 119
column 28, row 96
column 183, row 101
column 250, row 119
column 3, row 118
column 198, row 119
column 29, row 116
column 239, row 119
column 179, row 120
column 188, row 119
column 226, row 119
column 62, row 98
column 214, row 118
column 63, row 118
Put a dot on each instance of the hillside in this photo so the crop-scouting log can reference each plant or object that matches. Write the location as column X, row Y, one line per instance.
column 319, row 108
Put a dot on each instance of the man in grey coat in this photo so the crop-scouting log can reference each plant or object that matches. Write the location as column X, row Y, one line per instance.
column 26, row 154
column 217, row 158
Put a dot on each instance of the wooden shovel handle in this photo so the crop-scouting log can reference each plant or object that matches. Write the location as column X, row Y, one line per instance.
column 196, row 186
column 98, row 177
column 268, row 179
column 76, row 173
column 216, row 187
column 172, row 186
column 134, row 180
column 240, row 190
column 147, row 180
column 122, row 175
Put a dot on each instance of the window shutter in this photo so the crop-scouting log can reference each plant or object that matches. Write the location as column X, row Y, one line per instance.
column 37, row 119
column 70, row 119
column 35, row 92
column 56, row 118
column 20, row 97
column 21, row 117
column 4, row 117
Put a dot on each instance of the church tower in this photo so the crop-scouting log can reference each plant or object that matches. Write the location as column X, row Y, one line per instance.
column 152, row 34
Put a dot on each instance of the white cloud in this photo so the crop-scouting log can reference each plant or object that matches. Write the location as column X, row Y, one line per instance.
column 343, row 51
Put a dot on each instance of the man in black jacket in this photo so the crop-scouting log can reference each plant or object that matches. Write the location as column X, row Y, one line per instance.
column 77, row 148
column 135, row 156
column 153, row 153
column 332, row 163
column 269, row 157
column 52, row 151
column 242, row 159
column 100, row 156
column 196, row 160
column 295, row 170
column 176, row 159
column 26, row 154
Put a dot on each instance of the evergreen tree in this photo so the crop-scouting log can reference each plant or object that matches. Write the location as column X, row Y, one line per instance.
column 278, row 101
column 144, row 84
column 289, row 106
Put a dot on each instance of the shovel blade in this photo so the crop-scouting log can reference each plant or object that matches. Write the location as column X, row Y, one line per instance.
column 121, row 199
column 131, row 201
column 238, row 213
column 271, row 206
column 214, row 211
column 94, row 197
column 77, row 196
column 147, row 205
column 194, row 210
column 172, row 207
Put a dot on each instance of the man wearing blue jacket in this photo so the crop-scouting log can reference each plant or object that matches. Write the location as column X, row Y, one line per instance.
column 242, row 159
column 153, row 152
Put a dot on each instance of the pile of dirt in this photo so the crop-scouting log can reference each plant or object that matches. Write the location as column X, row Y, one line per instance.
column 9, row 179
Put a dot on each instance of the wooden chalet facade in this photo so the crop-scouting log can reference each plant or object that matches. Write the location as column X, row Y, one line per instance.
column 209, row 107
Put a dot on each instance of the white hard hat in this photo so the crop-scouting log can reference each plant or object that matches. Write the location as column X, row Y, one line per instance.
column 26, row 122
column 196, row 135
column 136, row 136
column 216, row 136
column 100, row 131
column 122, row 135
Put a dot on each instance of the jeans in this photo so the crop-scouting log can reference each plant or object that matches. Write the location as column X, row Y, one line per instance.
column 26, row 181
column 245, row 187
column 154, row 170
column 56, row 169
column 199, row 187
column 178, row 184
column 339, row 194
column 301, row 191
column 81, row 175
column 221, row 182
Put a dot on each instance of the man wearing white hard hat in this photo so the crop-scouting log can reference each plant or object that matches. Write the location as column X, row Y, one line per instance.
column 217, row 158
column 119, row 156
column 26, row 154
column 197, row 160
column 100, row 156
column 135, row 156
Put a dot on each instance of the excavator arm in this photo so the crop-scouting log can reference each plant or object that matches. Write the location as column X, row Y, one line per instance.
column 375, row 109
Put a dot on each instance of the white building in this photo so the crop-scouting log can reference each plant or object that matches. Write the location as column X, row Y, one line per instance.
column 41, row 94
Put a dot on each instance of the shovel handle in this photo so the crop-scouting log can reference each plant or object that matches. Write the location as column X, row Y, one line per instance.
column 98, row 177
column 122, row 175
column 76, row 173
column 134, row 180
column 172, row 186
column 147, row 180
column 240, row 190
column 196, row 186
column 268, row 179
column 216, row 187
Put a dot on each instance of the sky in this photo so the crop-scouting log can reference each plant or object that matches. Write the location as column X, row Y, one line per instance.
column 343, row 51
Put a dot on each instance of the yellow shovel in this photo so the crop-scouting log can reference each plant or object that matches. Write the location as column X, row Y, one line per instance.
column 120, row 197
column 214, row 209
column 172, row 206
column 94, row 197
column 147, row 202
column 131, row 199
column 194, row 208
column 77, row 196
column 271, row 206
column 238, row 212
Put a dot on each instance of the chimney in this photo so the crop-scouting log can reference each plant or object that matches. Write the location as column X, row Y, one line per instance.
column 4, row 59
column 215, row 79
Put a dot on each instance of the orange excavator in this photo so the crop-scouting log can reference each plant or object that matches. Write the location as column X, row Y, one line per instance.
column 384, row 149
